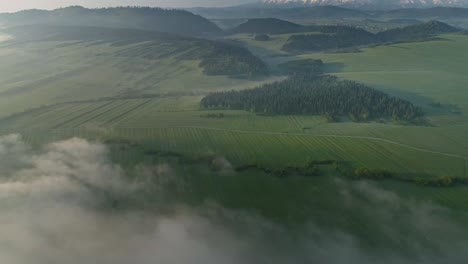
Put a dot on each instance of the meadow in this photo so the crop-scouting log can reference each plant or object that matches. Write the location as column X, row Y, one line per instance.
column 177, row 125
column 49, row 72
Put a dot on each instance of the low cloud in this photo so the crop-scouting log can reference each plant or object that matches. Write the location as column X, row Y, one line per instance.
column 57, row 207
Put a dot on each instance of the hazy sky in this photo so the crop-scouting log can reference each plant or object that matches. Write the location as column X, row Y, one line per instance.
column 15, row 5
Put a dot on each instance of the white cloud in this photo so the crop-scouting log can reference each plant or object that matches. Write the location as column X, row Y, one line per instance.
column 55, row 209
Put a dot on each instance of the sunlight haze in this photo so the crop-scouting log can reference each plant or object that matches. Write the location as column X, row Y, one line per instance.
column 13, row 6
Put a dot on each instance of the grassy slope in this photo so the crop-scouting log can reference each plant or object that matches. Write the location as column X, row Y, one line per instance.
column 425, row 72
column 175, row 124
column 43, row 73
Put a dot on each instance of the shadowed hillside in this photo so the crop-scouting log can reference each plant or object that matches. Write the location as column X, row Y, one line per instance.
column 416, row 32
column 217, row 58
column 268, row 26
column 154, row 19
column 258, row 12
column 338, row 37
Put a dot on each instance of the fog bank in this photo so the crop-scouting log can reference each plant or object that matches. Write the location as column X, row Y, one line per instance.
column 53, row 210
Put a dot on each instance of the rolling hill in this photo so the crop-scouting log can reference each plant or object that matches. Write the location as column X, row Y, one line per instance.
column 284, row 13
column 278, row 26
column 268, row 26
column 416, row 32
column 154, row 19
column 217, row 58
column 333, row 38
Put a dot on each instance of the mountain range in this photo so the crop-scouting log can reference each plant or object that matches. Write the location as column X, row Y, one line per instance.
column 368, row 3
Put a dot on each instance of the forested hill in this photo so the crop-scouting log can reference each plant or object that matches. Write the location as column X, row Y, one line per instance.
column 325, row 95
column 278, row 26
column 216, row 58
column 416, row 32
column 268, row 26
column 338, row 37
column 154, row 19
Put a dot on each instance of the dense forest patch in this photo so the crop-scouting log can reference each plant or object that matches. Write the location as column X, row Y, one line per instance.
column 318, row 42
column 316, row 95
column 418, row 32
column 262, row 37
column 267, row 26
column 226, row 59
column 277, row 26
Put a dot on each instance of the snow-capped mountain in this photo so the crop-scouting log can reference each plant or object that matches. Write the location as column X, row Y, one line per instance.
column 376, row 3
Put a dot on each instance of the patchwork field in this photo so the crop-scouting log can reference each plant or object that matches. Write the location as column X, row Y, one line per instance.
column 177, row 125
column 168, row 117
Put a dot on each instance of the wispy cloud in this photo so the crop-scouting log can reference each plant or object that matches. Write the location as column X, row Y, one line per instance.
column 55, row 209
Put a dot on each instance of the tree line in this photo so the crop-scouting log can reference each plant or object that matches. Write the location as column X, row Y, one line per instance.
column 315, row 95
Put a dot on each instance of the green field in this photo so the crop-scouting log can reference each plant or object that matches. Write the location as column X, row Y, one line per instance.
column 176, row 125
column 47, row 72
column 413, row 71
column 425, row 73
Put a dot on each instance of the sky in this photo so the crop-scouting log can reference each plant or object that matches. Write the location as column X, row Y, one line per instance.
column 16, row 5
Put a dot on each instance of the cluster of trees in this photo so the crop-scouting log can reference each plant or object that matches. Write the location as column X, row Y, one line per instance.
column 339, row 37
column 318, row 42
column 267, row 26
column 380, row 174
column 261, row 37
column 439, row 181
column 226, row 59
column 315, row 95
column 310, row 168
column 213, row 115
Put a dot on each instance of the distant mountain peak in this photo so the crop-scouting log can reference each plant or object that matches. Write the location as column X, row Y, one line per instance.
column 376, row 3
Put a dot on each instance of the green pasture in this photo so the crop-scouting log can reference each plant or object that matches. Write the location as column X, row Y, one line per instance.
column 44, row 73
column 177, row 125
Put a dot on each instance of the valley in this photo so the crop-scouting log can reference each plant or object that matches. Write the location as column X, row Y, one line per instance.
column 307, row 126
